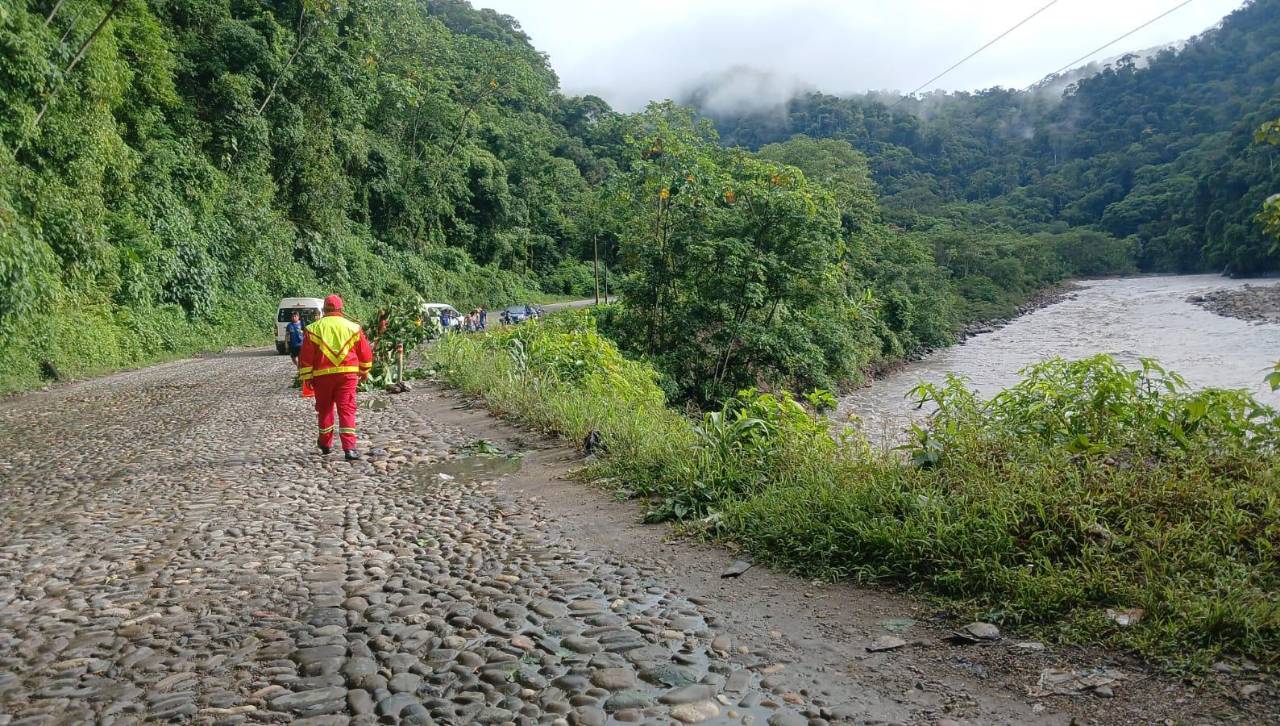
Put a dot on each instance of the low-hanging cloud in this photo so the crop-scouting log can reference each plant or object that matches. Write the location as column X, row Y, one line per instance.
column 630, row 52
column 742, row 90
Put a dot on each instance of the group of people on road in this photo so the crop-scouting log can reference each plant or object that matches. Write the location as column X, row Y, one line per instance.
column 474, row 321
column 333, row 356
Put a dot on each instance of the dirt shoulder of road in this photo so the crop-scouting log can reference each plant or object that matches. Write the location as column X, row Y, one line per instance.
column 818, row 633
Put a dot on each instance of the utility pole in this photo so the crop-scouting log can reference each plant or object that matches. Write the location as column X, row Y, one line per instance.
column 595, row 253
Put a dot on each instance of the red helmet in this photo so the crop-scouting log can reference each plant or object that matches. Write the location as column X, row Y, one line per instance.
column 333, row 303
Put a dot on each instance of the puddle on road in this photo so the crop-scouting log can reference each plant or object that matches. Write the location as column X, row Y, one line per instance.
column 476, row 463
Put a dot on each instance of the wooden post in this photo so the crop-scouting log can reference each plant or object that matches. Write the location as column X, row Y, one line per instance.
column 595, row 253
column 400, row 365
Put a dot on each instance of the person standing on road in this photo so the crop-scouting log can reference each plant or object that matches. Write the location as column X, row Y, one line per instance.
column 293, row 332
column 484, row 318
column 335, row 357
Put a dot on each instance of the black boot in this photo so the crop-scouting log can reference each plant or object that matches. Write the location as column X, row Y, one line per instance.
column 352, row 455
column 324, row 450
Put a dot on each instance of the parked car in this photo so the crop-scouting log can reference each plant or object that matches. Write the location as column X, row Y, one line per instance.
column 308, row 308
column 445, row 315
column 519, row 314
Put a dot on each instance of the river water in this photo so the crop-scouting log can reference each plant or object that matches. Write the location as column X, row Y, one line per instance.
column 1129, row 318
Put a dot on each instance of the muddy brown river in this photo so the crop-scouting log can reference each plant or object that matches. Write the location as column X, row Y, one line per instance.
column 1128, row 318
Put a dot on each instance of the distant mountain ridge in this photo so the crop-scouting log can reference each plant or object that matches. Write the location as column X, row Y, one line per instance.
column 1140, row 59
column 1157, row 147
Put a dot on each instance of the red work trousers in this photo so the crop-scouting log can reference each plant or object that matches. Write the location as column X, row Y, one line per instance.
column 337, row 390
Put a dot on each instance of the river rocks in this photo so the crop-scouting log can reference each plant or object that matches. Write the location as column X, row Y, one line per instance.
column 687, row 694
column 359, row 702
column 632, row 699
column 490, row 622
column 579, row 644
column 1255, row 303
column 738, row 681
column 787, row 718
column 311, row 703
column 695, row 712
column 357, row 670
column 974, row 632
column 404, row 683
column 392, row 705
column 614, row 679
column 669, row 675
column 886, row 642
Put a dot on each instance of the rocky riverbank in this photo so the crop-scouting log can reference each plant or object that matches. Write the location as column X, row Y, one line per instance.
column 1255, row 303
column 1042, row 299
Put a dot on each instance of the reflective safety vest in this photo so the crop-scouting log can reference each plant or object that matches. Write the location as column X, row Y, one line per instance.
column 334, row 345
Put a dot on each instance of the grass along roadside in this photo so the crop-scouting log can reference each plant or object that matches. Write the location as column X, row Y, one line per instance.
column 1083, row 489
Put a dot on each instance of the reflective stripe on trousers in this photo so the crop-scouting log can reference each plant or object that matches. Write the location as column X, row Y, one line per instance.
column 336, row 392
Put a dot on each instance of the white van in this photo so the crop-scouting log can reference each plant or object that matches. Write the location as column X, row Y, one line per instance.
column 309, row 308
column 436, row 311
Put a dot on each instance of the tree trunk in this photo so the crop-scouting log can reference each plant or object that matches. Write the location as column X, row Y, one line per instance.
column 75, row 19
column 84, row 48
column 49, row 18
column 297, row 48
column 462, row 126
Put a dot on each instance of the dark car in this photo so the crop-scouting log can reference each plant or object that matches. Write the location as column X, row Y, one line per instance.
column 519, row 314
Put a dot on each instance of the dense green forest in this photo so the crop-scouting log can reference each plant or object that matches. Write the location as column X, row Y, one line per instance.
column 1159, row 151
column 170, row 168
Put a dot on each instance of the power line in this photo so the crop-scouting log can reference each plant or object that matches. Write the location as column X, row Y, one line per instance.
column 990, row 43
column 1098, row 50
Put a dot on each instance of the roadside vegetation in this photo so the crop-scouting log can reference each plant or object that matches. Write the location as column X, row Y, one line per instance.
column 1086, row 488
column 161, row 190
column 778, row 269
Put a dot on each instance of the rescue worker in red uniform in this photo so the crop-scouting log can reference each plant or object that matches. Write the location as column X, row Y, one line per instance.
column 335, row 358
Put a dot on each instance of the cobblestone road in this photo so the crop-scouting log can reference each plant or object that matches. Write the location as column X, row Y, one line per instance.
column 174, row 549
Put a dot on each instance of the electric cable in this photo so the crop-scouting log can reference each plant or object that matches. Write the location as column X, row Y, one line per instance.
column 990, row 43
column 1086, row 56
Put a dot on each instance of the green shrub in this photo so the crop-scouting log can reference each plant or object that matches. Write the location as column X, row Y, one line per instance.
column 570, row 277
column 1085, row 487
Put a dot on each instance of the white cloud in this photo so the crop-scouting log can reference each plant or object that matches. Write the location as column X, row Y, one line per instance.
column 629, row 51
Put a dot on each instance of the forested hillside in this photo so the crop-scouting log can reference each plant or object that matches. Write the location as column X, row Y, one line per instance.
column 1162, row 154
column 170, row 168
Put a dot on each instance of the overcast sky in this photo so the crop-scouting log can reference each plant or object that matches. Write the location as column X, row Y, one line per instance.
column 631, row 51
